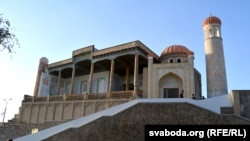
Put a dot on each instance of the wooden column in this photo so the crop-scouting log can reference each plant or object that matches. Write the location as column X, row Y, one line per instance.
column 111, row 77
column 149, row 86
column 127, row 79
column 90, row 78
column 58, row 83
column 136, row 76
column 72, row 80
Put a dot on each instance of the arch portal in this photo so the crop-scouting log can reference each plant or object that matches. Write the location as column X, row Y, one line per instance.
column 170, row 85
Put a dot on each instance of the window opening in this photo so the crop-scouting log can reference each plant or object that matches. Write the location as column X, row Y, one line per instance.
column 171, row 61
column 178, row 60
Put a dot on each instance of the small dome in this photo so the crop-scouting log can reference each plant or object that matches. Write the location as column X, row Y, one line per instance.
column 177, row 49
column 211, row 20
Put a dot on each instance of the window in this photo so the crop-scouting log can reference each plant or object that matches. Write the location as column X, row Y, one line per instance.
column 211, row 32
column 179, row 60
column 217, row 32
column 68, row 88
column 84, row 87
column 171, row 60
column 93, row 86
column 77, row 88
column 100, row 85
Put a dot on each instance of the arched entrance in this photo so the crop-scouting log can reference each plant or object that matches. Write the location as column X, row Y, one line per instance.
column 170, row 85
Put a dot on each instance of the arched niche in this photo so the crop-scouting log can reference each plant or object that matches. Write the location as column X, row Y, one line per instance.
column 170, row 85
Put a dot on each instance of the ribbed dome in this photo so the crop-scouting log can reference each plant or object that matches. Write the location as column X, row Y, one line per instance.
column 177, row 49
column 211, row 20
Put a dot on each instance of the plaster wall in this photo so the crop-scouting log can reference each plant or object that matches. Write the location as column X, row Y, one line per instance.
column 182, row 71
column 40, row 112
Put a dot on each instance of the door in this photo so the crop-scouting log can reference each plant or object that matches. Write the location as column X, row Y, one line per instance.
column 170, row 92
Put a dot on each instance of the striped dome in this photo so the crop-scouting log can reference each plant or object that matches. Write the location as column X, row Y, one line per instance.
column 177, row 49
column 211, row 20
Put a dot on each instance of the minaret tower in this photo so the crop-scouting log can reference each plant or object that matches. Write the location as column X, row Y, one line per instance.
column 215, row 63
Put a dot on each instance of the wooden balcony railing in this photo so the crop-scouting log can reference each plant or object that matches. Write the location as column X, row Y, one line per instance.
column 75, row 97
column 121, row 94
column 97, row 96
column 92, row 96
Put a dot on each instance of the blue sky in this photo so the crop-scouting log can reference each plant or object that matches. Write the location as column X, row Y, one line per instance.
column 54, row 28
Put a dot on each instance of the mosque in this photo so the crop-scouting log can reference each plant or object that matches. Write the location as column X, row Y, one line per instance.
column 93, row 80
column 96, row 85
column 133, row 69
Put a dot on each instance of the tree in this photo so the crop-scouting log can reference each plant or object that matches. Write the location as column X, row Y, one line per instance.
column 8, row 40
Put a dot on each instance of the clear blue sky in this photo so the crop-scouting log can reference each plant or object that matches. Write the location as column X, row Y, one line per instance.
column 54, row 28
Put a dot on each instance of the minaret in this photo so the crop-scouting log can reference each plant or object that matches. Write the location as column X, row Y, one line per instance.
column 215, row 63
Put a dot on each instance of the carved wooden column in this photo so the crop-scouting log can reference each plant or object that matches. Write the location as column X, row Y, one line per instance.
column 127, row 79
column 59, row 83
column 90, row 78
column 111, row 77
column 72, row 80
column 136, row 76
